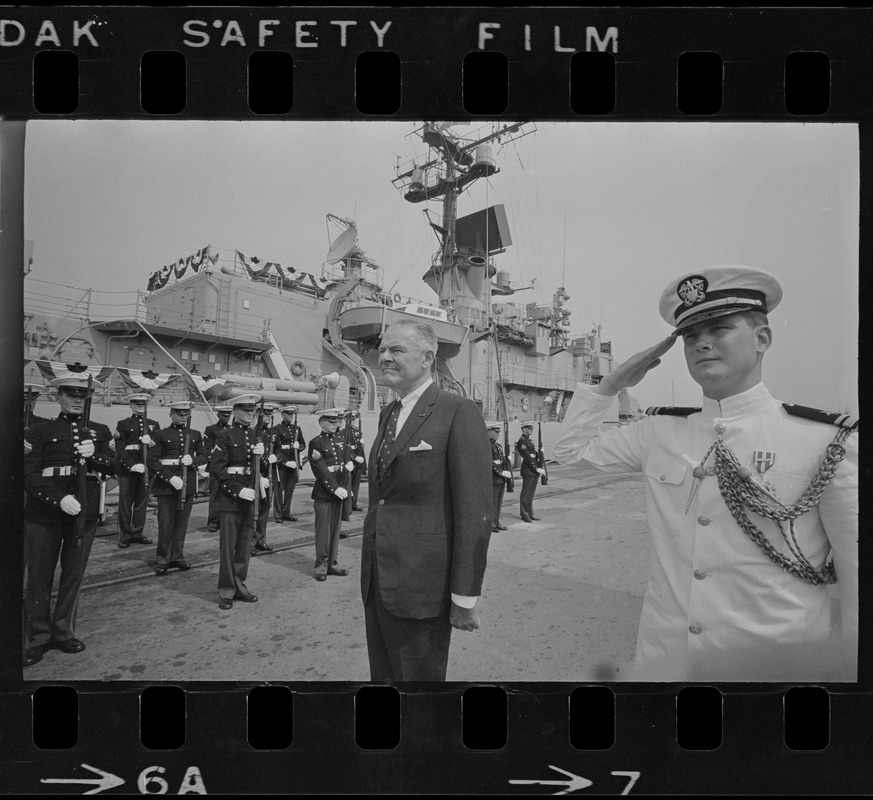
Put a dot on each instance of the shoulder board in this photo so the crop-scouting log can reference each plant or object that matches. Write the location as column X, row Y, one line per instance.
column 671, row 411
column 840, row 420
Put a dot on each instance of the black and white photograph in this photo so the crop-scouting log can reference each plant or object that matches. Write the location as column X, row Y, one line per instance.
column 440, row 401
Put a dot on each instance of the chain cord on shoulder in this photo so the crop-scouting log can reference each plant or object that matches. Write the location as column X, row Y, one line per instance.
column 740, row 492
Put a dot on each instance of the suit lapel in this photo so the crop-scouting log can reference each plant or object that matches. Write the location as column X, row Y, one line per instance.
column 420, row 412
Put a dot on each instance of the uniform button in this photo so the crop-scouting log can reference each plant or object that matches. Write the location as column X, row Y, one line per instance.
column 699, row 574
column 703, row 520
column 381, row 502
column 695, row 629
column 662, row 478
column 720, row 428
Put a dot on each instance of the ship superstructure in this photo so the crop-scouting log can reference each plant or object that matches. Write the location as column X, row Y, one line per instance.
column 219, row 323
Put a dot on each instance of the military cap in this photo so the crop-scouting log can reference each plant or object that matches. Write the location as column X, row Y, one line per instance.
column 494, row 426
column 246, row 401
column 288, row 409
column 527, row 424
column 716, row 292
column 330, row 413
column 181, row 405
column 269, row 408
column 33, row 389
column 75, row 383
column 137, row 398
column 223, row 409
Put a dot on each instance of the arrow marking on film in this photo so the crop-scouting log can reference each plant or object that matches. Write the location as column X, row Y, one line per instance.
column 106, row 780
column 574, row 783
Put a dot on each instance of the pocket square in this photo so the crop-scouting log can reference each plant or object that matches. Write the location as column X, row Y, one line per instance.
column 423, row 445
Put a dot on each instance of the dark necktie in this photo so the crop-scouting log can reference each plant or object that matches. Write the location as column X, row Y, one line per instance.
column 388, row 437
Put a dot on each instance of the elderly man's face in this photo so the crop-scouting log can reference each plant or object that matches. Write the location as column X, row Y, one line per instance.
column 404, row 363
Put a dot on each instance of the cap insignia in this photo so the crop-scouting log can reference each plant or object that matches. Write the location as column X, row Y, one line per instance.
column 693, row 290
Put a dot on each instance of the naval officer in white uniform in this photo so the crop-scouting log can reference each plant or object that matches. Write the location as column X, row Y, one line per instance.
column 752, row 504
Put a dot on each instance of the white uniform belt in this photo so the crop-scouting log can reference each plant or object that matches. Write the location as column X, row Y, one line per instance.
column 57, row 472
column 133, row 447
column 337, row 468
column 285, row 446
column 170, row 462
column 239, row 471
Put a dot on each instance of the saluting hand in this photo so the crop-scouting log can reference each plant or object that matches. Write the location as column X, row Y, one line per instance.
column 464, row 619
column 632, row 371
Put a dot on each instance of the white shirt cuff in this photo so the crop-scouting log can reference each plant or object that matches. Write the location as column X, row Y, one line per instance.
column 463, row 601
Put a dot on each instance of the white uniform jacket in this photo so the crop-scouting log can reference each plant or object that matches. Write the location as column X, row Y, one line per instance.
column 716, row 607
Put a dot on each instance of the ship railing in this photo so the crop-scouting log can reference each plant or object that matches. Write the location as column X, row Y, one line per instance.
column 60, row 300
column 241, row 325
column 519, row 375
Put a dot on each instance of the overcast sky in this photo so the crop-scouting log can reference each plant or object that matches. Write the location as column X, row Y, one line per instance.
column 613, row 211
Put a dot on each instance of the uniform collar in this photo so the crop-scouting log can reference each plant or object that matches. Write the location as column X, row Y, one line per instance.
column 242, row 426
column 738, row 405
column 70, row 417
column 180, row 426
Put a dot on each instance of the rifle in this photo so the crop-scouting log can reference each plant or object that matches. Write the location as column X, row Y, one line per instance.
column 347, row 476
column 256, row 468
column 361, row 439
column 507, row 458
column 82, row 472
column 274, row 469
column 144, row 449
column 186, row 444
column 296, row 433
column 541, row 459
column 27, row 411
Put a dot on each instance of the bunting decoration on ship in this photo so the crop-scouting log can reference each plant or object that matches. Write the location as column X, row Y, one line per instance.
column 161, row 277
column 253, row 268
column 145, row 379
column 51, row 370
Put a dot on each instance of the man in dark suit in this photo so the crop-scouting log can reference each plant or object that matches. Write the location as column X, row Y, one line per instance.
column 428, row 524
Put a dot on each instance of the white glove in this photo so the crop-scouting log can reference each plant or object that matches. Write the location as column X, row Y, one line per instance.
column 247, row 494
column 350, row 466
column 341, row 493
column 272, row 459
column 85, row 448
column 176, row 482
column 258, row 449
column 186, row 460
column 201, row 470
column 296, row 445
column 112, row 445
column 146, row 439
column 359, row 459
column 138, row 468
column 541, row 471
column 70, row 505
column 265, row 482
column 27, row 447
column 506, row 473
column 291, row 464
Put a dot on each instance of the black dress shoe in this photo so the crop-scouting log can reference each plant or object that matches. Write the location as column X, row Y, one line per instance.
column 321, row 577
column 212, row 528
column 246, row 598
column 33, row 655
column 70, row 646
column 289, row 519
column 161, row 570
column 357, row 508
column 344, row 536
column 502, row 528
column 124, row 545
column 225, row 603
column 338, row 571
column 495, row 529
column 141, row 540
column 526, row 519
column 535, row 519
column 264, row 548
column 181, row 565
column 278, row 521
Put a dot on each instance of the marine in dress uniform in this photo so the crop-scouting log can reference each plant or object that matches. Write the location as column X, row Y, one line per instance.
column 326, row 460
column 752, row 503
column 499, row 476
column 289, row 443
column 231, row 464
column 31, row 395
column 209, row 434
column 133, row 488
column 268, row 466
column 52, row 517
column 530, row 471
column 168, row 461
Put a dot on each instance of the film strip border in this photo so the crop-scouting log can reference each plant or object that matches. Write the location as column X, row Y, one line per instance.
column 478, row 738
column 328, row 63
